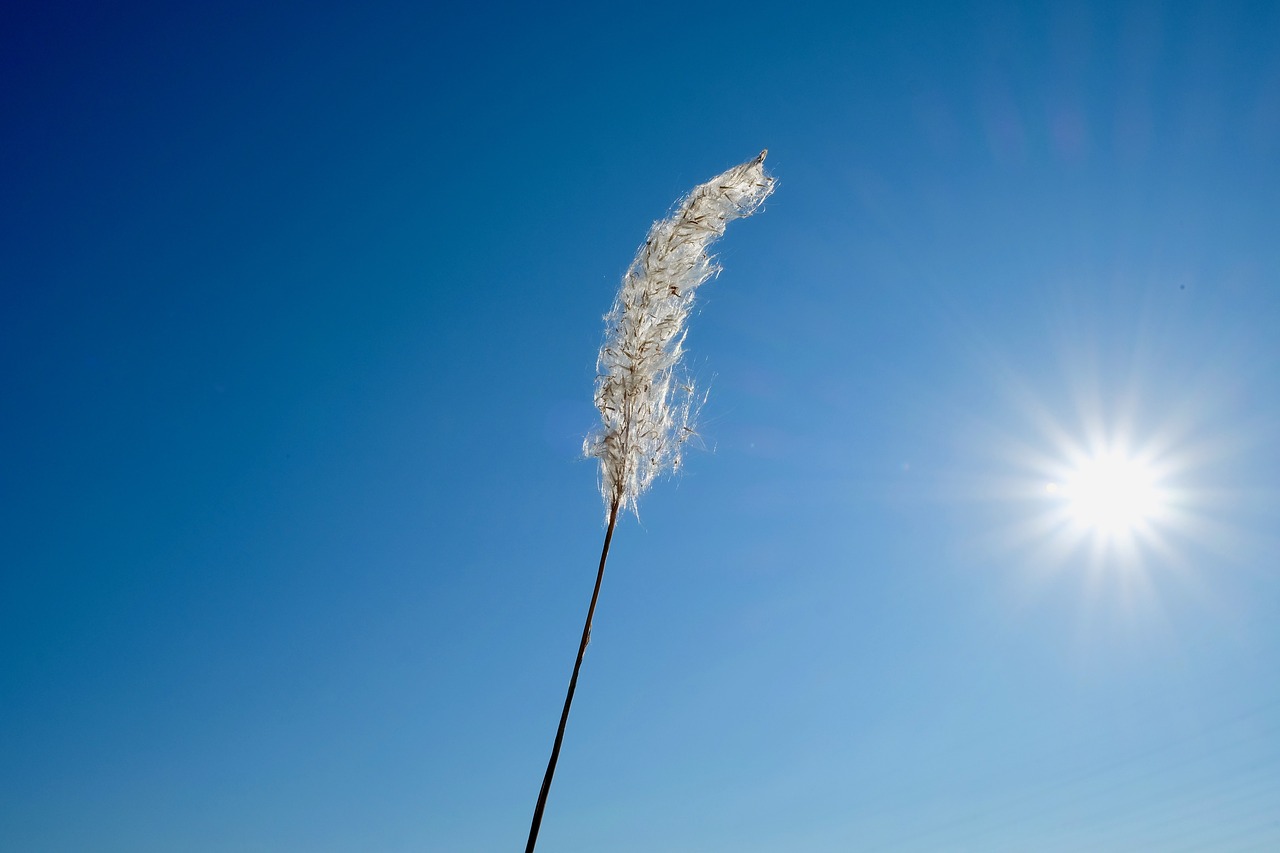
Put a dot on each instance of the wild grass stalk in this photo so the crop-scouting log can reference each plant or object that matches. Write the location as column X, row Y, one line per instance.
column 646, row 407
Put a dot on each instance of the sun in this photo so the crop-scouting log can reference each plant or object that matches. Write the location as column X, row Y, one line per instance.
column 1115, row 503
column 1111, row 493
column 1115, row 471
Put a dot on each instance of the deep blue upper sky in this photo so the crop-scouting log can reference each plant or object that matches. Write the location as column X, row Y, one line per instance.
column 299, row 307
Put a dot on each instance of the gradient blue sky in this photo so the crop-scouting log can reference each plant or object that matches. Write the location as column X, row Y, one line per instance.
column 300, row 311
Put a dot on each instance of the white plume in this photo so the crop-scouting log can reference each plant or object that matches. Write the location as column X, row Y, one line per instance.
column 645, row 407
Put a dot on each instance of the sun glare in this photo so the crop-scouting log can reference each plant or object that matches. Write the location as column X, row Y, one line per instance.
column 1111, row 494
column 1116, row 503
column 1115, row 483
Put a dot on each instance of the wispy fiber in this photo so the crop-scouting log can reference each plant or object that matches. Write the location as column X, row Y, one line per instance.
column 645, row 407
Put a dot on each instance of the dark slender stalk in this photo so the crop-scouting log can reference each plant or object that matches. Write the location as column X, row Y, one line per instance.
column 573, row 683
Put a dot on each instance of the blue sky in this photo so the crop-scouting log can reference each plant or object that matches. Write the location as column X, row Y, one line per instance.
column 300, row 312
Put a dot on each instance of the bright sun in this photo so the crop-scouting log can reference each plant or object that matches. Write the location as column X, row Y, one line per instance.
column 1110, row 494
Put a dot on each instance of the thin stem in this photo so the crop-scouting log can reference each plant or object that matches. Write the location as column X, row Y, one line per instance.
column 573, row 683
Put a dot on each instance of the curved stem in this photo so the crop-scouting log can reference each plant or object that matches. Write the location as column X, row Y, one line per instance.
column 573, row 683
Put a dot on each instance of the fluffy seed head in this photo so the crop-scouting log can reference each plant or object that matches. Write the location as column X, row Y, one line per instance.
column 645, row 407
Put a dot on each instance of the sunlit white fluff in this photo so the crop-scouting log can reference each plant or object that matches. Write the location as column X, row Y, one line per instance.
column 645, row 406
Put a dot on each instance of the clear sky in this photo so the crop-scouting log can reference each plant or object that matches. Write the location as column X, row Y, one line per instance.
column 299, row 308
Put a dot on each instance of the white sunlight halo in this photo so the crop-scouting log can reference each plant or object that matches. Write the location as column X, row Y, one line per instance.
column 1111, row 493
